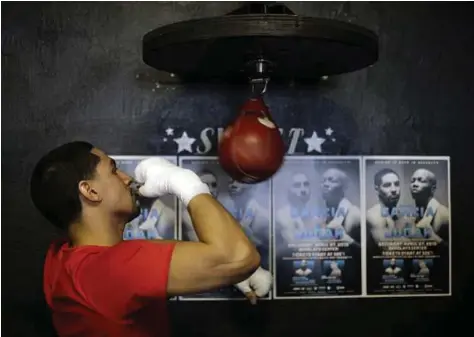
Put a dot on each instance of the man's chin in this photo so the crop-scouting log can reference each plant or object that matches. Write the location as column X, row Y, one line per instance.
column 392, row 203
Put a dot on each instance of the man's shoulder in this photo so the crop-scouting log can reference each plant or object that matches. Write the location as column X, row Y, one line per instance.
column 354, row 211
column 443, row 213
column 107, row 255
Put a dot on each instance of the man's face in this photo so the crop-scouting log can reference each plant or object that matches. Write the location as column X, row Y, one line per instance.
column 236, row 188
column 211, row 181
column 333, row 265
column 300, row 187
column 393, row 262
column 332, row 183
column 421, row 184
column 389, row 189
column 303, row 265
column 112, row 187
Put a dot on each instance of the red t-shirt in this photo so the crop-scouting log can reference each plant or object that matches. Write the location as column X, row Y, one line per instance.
column 113, row 291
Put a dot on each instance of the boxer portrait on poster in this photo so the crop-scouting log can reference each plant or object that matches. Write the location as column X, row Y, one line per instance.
column 407, row 224
column 158, row 216
column 317, row 218
column 248, row 203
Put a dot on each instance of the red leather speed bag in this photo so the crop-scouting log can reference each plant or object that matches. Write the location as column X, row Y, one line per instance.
column 251, row 149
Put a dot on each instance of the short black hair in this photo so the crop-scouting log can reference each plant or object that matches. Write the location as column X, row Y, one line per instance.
column 54, row 182
column 380, row 174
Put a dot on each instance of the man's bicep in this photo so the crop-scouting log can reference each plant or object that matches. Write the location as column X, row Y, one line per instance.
column 196, row 268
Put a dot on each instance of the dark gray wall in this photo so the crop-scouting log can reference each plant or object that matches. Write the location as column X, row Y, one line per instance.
column 74, row 71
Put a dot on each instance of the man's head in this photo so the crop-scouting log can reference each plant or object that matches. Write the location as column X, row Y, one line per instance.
column 387, row 186
column 422, row 184
column 237, row 189
column 210, row 179
column 76, row 178
column 300, row 189
column 334, row 184
column 303, row 265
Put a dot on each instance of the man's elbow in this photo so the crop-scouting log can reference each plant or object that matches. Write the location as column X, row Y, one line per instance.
column 245, row 262
column 252, row 260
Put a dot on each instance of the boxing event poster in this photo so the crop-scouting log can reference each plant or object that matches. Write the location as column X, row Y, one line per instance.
column 249, row 204
column 317, row 227
column 407, row 202
column 158, row 217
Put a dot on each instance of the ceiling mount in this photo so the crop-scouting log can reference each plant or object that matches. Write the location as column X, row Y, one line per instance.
column 268, row 36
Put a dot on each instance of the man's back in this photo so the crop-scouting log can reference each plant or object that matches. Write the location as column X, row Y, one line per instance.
column 108, row 291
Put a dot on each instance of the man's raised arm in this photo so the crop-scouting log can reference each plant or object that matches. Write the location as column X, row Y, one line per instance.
column 223, row 256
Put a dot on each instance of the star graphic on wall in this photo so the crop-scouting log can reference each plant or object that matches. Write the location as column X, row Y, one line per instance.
column 329, row 131
column 314, row 142
column 169, row 131
column 184, row 142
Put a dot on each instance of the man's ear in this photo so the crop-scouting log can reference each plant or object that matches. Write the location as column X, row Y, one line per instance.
column 88, row 191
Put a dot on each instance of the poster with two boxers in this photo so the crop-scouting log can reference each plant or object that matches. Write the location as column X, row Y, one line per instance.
column 408, row 226
column 317, row 227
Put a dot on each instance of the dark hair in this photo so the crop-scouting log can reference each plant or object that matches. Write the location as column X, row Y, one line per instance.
column 380, row 174
column 55, row 179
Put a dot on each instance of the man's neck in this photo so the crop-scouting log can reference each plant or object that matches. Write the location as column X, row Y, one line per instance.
column 334, row 202
column 96, row 231
column 388, row 207
column 422, row 204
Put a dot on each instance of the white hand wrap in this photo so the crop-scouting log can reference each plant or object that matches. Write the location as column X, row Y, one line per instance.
column 260, row 282
column 160, row 177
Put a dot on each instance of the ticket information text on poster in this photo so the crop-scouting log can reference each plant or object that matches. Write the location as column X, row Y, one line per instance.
column 317, row 227
column 407, row 201
column 249, row 204
column 158, row 216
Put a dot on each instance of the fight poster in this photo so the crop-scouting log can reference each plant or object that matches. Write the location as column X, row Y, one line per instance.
column 407, row 202
column 158, row 216
column 317, row 227
column 249, row 204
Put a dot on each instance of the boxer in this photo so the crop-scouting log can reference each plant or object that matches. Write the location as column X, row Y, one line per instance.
column 381, row 217
column 347, row 215
column 296, row 215
column 393, row 269
column 303, row 270
column 97, row 284
column 424, row 270
column 336, row 272
column 434, row 216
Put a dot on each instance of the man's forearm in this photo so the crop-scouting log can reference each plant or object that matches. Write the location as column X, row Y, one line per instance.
column 215, row 226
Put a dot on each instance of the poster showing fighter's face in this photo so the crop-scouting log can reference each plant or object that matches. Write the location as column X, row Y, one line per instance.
column 317, row 227
column 248, row 203
column 407, row 225
column 158, row 216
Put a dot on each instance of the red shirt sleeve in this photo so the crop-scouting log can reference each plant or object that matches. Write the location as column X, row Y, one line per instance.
column 122, row 279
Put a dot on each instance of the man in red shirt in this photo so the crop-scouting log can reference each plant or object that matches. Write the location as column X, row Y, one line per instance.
column 95, row 283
